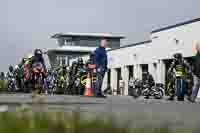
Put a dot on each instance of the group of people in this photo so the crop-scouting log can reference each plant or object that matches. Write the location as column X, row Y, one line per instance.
column 178, row 74
column 31, row 73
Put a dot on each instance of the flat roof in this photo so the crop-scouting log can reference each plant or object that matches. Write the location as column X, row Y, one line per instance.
column 131, row 45
column 74, row 49
column 176, row 25
column 96, row 35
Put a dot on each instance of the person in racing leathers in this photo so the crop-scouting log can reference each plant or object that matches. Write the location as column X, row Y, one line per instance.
column 38, row 59
column 11, row 72
column 18, row 72
column 26, row 72
column 81, row 72
column 180, row 66
column 147, row 78
column 10, row 75
column 73, row 74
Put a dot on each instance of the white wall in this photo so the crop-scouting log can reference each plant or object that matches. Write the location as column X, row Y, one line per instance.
column 162, row 47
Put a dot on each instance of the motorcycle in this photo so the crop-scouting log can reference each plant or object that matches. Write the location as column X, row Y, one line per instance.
column 38, row 73
column 76, row 89
column 62, row 84
column 157, row 91
column 135, row 88
column 51, row 85
column 26, row 77
column 12, row 86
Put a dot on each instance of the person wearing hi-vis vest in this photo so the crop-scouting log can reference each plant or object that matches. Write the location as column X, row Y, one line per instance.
column 180, row 67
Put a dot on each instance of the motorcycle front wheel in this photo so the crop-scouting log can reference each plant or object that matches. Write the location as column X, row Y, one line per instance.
column 136, row 92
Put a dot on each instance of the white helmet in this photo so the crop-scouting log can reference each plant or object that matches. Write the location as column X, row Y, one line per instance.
column 29, row 56
column 16, row 66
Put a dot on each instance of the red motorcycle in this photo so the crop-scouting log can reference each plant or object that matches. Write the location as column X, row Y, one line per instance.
column 26, row 75
column 38, row 77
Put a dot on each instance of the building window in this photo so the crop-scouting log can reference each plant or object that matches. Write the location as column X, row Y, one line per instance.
column 69, row 42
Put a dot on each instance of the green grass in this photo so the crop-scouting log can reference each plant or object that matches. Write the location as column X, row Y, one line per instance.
column 24, row 120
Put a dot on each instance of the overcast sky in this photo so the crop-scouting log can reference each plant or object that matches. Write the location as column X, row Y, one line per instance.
column 28, row 24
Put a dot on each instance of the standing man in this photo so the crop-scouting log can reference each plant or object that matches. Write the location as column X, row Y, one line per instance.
column 196, row 72
column 101, row 66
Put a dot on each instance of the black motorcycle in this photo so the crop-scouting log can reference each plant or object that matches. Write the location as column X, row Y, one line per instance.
column 156, row 91
column 12, row 86
column 51, row 85
column 135, row 88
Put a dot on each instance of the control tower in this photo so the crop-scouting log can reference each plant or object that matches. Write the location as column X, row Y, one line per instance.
column 71, row 45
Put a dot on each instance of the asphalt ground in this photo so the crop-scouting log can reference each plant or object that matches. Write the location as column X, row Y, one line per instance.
column 174, row 113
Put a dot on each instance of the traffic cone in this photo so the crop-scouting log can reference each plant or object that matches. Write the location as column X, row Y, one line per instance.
column 88, row 89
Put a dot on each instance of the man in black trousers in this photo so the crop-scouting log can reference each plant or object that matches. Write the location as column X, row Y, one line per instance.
column 101, row 66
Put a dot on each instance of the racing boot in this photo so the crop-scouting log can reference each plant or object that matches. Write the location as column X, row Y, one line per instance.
column 171, row 98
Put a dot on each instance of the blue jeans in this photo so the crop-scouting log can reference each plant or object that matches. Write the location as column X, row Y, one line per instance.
column 99, row 80
column 196, row 86
column 179, row 87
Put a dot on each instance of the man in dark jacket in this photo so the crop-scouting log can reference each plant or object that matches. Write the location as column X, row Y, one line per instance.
column 101, row 66
column 196, row 72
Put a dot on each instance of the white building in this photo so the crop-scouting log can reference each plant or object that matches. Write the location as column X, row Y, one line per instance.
column 153, row 55
column 72, row 45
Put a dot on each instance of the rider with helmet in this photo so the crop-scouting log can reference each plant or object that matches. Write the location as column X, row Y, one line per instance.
column 180, row 67
column 82, row 73
column 11, row 77
column 73, row 74
column 18, row 72
column 11, row 72
column 38, row 58
column 37, row 61
column 147, row 79
column 62, row 76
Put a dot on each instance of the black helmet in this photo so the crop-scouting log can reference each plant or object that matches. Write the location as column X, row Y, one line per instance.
column 38, row 52
column 74, row 63
column 64, row 66
column 80, row 60
column 11, row 68
column 2, row 73
column 178, row 56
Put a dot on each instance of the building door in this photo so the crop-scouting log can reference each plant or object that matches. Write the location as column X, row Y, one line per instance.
column 144, row 68
column 118, row 78
column 130, row 71
column 109, row 78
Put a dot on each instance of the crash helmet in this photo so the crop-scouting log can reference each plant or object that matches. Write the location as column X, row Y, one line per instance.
column 11, row 68
column 74, row 63
column 49, row 72
column 16, row 67
column 29, row 56
column 38, row 52
column 178, row 56
column 64, row 67
column 80, row 60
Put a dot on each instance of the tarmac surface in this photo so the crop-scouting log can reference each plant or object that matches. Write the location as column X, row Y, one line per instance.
column 124, row 107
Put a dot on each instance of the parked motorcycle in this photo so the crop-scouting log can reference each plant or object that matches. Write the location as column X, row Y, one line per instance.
column 156, row 91
column 135, row 88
